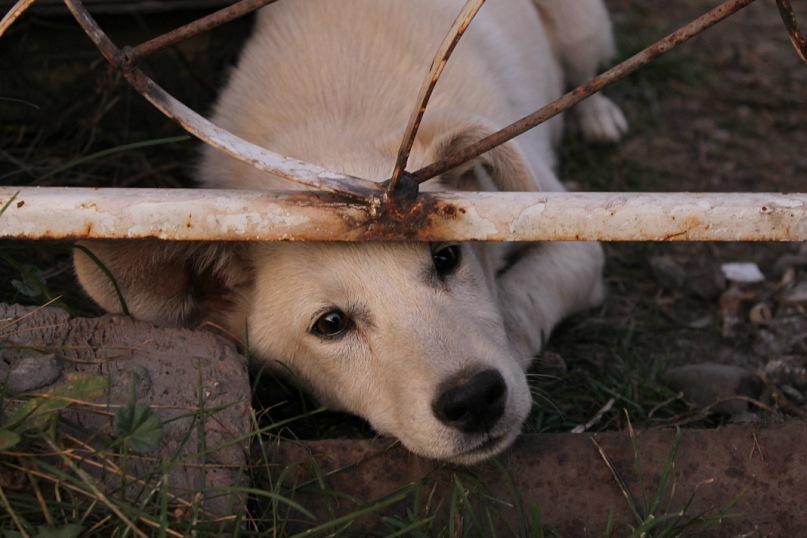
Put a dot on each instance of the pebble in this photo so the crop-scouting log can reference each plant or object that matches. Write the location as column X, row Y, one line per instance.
column 793, row 296
column 702, row 280
column 706, row 383
column 788, row 370
column 742, row 272
column 29, row 373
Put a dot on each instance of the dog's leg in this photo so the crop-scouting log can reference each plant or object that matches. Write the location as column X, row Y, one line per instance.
column 583, row 40
column 542, row 283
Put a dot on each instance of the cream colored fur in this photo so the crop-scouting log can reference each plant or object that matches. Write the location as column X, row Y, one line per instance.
column 435, row 359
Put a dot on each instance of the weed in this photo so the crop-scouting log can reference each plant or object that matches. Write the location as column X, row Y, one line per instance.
column 655, row 515
column 605, row 364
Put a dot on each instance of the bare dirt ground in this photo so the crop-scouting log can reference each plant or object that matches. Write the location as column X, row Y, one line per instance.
column 722, row 113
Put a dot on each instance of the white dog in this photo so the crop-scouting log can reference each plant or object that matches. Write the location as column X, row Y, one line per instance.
column 428, row 342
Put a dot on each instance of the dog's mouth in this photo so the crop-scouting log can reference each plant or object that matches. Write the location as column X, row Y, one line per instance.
column 492, row 445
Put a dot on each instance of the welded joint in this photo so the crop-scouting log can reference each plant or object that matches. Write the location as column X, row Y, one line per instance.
column 396, row 200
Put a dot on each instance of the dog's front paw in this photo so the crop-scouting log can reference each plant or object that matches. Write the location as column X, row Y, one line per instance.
column 600, row 119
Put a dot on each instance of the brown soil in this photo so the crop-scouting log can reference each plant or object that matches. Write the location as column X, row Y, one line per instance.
column 719, row 114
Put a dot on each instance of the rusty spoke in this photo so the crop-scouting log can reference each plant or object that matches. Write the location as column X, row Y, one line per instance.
column 134, row 54
column 575, row 96
column 291, row 169
column 14, row 14
column 797, row 36
column 455, row 33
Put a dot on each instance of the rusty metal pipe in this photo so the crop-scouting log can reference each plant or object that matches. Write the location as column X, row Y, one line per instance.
column 195, row 214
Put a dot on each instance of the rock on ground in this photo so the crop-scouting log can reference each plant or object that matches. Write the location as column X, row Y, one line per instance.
column 195, row 381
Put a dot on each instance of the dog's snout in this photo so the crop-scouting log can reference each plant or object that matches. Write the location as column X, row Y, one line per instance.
column 471, row 403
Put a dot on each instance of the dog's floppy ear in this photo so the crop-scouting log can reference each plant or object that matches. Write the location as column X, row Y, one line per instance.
column 505, row 167
column 166, row 282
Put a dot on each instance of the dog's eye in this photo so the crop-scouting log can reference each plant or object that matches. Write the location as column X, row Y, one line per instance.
column 446, row 259
column 332, row 324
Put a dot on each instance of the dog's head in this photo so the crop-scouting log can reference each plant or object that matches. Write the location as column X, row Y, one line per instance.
column 407, row 335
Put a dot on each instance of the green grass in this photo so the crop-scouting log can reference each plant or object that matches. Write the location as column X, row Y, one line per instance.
column 604, row 365
column 45, row 489
column 654, row 514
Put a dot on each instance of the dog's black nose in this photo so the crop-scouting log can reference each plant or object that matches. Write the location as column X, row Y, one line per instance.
column 471, row 402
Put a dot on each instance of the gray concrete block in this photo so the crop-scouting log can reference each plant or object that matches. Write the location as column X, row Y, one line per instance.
column 195, row 381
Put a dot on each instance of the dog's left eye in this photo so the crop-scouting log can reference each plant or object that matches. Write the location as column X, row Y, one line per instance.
column 446, row 259
column 332, row 324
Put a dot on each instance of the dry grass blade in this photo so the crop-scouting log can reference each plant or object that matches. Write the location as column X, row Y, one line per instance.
column 29, row 314
column 12, row 513
column 100, row 495
column 621, row 484
column 455, row 33
column 582, row 92
column 580, row 428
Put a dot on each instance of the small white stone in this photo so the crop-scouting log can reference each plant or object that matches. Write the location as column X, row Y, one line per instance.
column 742, row 272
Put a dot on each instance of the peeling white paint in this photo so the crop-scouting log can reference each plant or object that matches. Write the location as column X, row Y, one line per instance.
column 239, row 225
column 530, row 216
column 67, row 213
column 486, row 226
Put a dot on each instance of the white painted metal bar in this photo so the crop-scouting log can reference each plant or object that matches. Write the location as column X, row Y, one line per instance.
column 70, row 213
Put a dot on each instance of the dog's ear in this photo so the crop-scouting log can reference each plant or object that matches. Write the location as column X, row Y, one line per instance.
column 505, row 166
column 175, row 283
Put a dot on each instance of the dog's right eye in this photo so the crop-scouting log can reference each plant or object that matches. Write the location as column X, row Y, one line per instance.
column 446, row 259
column 332, row 324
